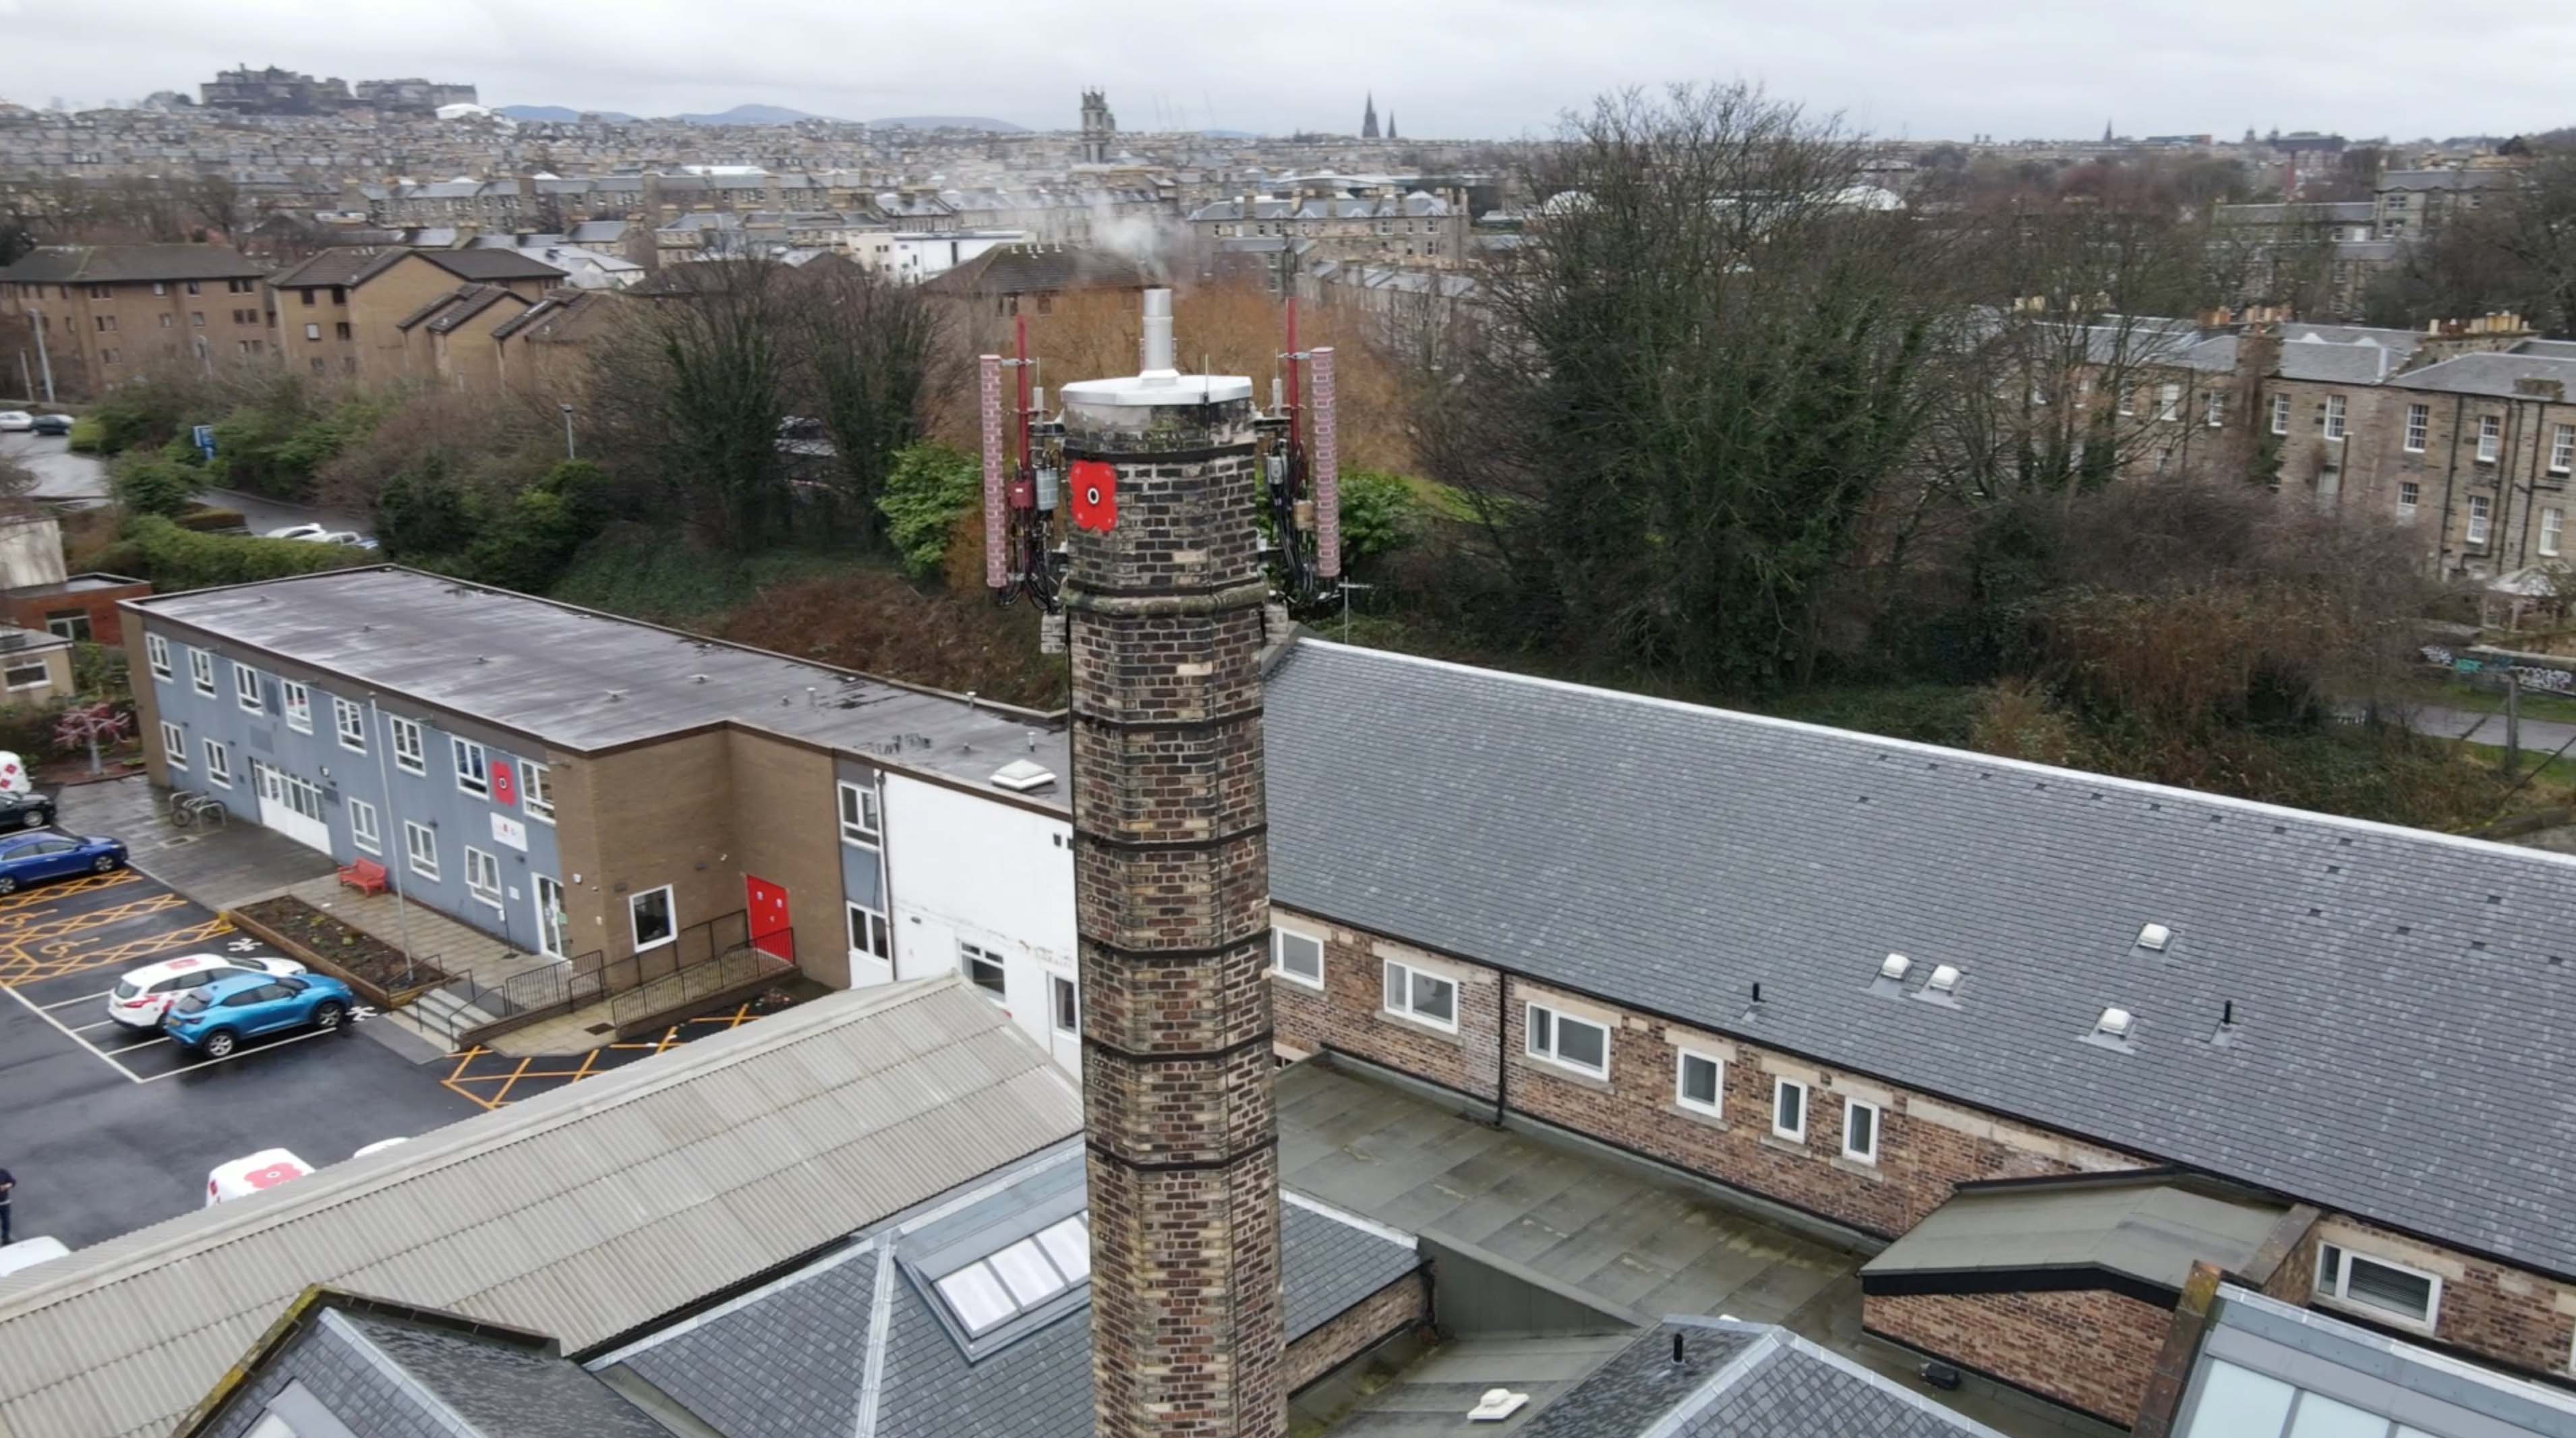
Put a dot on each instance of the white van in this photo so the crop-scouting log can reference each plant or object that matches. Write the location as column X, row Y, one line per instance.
column 28, row 1252
column 257, row 1173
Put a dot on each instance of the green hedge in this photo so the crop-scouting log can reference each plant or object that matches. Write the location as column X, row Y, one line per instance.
column 174, row 558
column 88, row 436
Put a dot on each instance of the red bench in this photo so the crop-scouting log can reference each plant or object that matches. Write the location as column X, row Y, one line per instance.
column 366, row 876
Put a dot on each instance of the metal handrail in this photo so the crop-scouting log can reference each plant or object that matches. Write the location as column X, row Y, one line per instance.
column 695, row 981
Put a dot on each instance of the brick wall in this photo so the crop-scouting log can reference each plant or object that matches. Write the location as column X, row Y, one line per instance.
column 786, row 830
column 637, row 819
column 2089, row 1350
column 2485, row 1307
column 1348, row 1015
column 1403, row 1304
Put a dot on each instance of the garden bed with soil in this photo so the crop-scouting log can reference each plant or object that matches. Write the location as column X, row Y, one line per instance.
column 367, row 964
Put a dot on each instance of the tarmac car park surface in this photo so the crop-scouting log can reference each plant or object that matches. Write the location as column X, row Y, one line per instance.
column 109, row 1128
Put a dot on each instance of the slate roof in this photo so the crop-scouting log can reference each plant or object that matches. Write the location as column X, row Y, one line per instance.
column 490, row 266
column 853, row 1344
column 1039, row 269
column 385, row 1372
column 2387, row 982
column 338, row 265
column 1741, row 1380
column 2319, row 356
column 2499, row 375
column 581, row 1214
column 129, row 264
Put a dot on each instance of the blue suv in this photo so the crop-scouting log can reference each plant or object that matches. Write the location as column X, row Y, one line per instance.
column 216, row 1017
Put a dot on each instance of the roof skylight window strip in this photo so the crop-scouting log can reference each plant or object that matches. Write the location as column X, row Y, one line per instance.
column 1025, row 1271
column 1069, row 1244
column 993, row 1289
column 977, row 1297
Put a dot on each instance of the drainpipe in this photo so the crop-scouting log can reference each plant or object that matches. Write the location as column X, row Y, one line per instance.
column 383, row 736
column 1502, row 1048
column 2450, row 472
column 2504, row 482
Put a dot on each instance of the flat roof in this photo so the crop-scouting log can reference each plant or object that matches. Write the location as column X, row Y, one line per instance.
column 2151, row 1232
column 586, row 681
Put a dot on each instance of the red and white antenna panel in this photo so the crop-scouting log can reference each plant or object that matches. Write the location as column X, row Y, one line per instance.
column 997, row 517
column 1328, row 474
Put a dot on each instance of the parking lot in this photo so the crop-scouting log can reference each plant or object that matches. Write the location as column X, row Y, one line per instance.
column 108, row 1128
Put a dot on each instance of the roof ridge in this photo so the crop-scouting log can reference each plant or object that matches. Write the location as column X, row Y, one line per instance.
column 2488, row 847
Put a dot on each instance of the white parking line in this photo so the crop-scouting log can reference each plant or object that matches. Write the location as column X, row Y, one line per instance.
column 101, row 1024
column 129, row 1048
column 130, row 1075
column 85, row 998
column 237, row 1053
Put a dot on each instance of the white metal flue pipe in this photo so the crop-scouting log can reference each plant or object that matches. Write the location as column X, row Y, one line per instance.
column 1158, row 332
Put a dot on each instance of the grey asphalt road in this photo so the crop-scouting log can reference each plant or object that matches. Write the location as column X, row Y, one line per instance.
column 60, row 474
column 66, row 477
column 2545, row 735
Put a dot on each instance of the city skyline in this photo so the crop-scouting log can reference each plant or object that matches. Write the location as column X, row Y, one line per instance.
column 1505, row 70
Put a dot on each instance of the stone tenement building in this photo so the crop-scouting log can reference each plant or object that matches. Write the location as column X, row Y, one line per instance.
column 94, row 314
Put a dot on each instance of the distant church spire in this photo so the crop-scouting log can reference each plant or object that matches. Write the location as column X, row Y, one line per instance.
column 1368, row 118
column 2106, row 132
column 1390, row 124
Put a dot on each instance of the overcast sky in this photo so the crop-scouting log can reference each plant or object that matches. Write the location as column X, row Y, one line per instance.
column 1489, row 68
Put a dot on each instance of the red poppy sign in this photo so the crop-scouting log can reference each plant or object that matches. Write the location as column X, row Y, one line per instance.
column 1095, row 495
column 505, row 785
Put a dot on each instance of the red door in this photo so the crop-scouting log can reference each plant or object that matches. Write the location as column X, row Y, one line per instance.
column 766, row 903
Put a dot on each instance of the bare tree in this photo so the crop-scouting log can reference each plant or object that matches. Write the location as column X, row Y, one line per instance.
column 869, row 350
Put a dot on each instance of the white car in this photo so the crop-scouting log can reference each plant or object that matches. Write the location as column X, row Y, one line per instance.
column 144, row 995
column 298, row 531
column 16, row 420
column 258, row 1173
column 349, row 537
column 379, row 1146
column 28, row 1252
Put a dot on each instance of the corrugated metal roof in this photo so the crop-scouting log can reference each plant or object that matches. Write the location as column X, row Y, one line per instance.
column 582, row 1213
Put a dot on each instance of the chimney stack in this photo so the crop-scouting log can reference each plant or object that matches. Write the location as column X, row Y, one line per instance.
column 1171, row 879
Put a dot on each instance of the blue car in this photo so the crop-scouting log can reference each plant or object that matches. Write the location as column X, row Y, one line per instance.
column 214, row 1018
column 25, row 858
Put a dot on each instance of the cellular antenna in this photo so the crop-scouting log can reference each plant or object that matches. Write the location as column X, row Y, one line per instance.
column 1023, row 480
column 1298, row 440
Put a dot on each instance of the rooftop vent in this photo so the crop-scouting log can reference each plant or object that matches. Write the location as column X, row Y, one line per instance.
column 1496, row 1405
column 1894, row 967
column 1020, row 776
column 1945, row 979
column 2115, row 1023
column 2154, row 937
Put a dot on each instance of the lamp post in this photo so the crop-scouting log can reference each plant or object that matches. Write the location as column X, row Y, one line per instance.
column 567, row 414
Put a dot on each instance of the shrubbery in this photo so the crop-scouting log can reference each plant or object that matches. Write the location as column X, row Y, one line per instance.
column 174, row 558
column 928, row 487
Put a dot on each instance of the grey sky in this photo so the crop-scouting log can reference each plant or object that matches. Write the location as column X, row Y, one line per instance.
column 1914, row 68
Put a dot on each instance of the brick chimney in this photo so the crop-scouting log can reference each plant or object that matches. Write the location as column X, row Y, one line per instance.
column 1171, row 885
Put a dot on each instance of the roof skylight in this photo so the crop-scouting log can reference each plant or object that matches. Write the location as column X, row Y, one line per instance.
column 1945, row 979
column 1894, row 967
column 999, row 1287
column 2114, row 1023
column 2154, row 937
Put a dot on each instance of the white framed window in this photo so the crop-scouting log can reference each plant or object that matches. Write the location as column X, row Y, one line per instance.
column 869, row 933
column 299, row 705
column 351, row 722
column 862, row 817
column 1860, row 1131
column 2419, row 423
column 534, row 795
column 2388, row 1290
column 984, row 970
column 2213, row 409
column 2334, row 416
column 1789, row 1109
column 2481, row 512
column 2280, row 414
column 2551, row 521
column 420, row 849
column 2562, row 448
column 246, row 689
column 174, row 746
column 1064, row 1004
column 482, row 876
column 201, row 671
column 1699, row 1083
column 1422, row 996
column 1561, row 1038
column 2128, row 399
column 156, row 651
column 473, row 767
column 410, row 755
column 25, row 676
column 651, row 921
column 2169, row 402
column 2490, row 438
column 362, row 827
column 219, row 763
column 2409, row 494
column 1297, row 956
